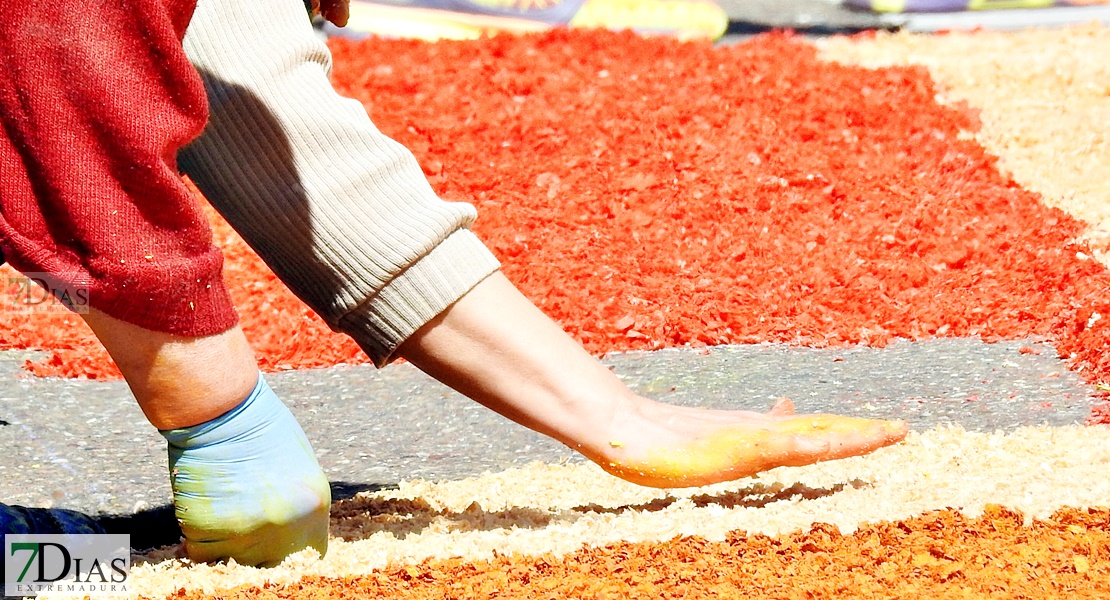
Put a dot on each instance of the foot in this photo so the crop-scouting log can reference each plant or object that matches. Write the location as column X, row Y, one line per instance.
column 666, row 446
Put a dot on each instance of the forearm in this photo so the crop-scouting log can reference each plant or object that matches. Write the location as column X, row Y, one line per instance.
column 497, row 348
column 494, row 346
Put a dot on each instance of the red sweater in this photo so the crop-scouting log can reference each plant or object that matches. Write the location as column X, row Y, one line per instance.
column 96, row 98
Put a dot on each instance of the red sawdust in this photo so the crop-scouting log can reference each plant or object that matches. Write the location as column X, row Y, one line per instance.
column 938, row 555
column 648, row 193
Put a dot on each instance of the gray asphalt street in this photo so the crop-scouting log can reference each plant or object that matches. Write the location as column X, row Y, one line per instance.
column 84, row 445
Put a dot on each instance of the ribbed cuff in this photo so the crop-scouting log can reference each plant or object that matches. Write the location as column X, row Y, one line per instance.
column 418, row 294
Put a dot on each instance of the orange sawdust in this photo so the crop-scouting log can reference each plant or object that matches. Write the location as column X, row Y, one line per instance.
column 938, row 555
column 647, row 193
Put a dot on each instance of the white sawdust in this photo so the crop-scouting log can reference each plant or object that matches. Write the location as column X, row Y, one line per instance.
column 558, row 508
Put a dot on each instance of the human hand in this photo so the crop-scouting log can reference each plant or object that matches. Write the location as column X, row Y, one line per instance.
column 496, row 347
column 670, row 446
column 247, row 486
column 335, row 11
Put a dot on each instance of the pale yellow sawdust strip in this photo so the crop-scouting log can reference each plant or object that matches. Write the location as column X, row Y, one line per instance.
column 1045, row 102
column 558, row 508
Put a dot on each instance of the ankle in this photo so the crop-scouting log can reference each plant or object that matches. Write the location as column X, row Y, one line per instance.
column 179, row 381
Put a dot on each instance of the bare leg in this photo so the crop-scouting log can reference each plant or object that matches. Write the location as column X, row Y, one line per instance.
column 179, row 381
column 497, row 348
column 246, row 483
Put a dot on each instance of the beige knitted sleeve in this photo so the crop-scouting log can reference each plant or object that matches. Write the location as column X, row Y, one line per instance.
column 341, row 213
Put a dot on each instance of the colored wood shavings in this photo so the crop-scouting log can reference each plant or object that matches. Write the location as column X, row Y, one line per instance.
column 650, row 194
column 554, row 510
column 937, row 555
column 382, row 540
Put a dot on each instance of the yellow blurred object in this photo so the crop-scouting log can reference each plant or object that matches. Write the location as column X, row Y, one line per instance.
column 469, row 19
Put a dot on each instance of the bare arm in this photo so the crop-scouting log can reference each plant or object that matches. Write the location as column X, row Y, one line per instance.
column 497, row 348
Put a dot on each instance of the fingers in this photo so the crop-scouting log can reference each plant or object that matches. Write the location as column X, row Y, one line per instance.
column 801, row 440
column 264, row 546
column 843, row 436
column 734, row 452
column 724, row 455
column 336, row 11
column 783, row 407
column 795, row 451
